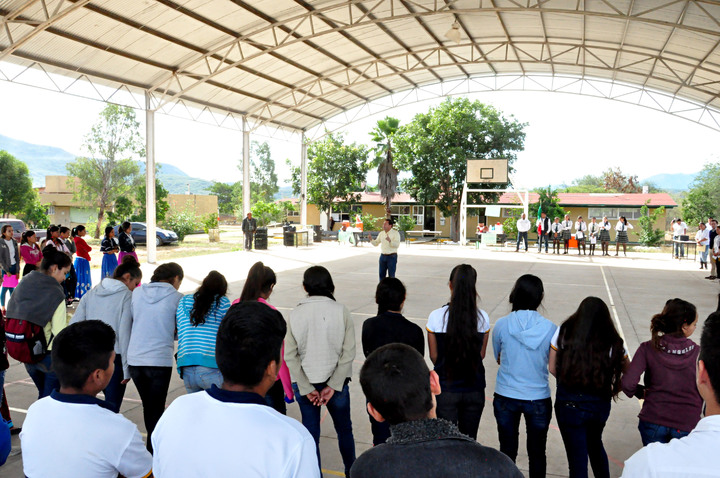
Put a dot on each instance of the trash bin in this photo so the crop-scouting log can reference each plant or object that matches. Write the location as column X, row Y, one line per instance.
column 261, row 238
column 288, row 236
column 317, row 233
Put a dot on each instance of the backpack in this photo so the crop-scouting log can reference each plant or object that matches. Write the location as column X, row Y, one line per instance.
column 25, row 341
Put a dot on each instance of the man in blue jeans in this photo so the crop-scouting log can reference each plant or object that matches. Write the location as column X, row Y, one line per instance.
column 389, row 241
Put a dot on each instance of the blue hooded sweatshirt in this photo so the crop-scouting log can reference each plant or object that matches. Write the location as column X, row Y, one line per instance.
column 522, row 342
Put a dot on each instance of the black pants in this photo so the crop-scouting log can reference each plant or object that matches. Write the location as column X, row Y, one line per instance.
column 248, row 240
column 152, row 384
column 275, row 397
column 463, row 409
column 70, row 284
column 522, row 236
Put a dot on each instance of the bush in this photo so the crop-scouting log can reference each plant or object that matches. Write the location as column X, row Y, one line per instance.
column 405, row 223
column 210, row 221
column 182, row 223
column 649, row 236
column 510, row 224
column 267, row 212
column 370, row 222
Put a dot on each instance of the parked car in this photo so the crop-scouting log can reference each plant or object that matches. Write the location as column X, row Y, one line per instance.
column 139, row 234
column 19, row 227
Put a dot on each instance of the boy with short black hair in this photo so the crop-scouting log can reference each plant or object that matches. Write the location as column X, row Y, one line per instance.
column 231, row 431
column 401, row 389
column 73, row 434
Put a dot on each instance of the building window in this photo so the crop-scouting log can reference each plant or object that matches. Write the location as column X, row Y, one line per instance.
column 614, row 213
column 50, row 210
column 417, row 213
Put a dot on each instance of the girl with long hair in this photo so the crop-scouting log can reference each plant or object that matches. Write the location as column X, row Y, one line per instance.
column 319, row 351
column 56, row 238
column 111, row 302
column 521, row 344
column 151, row 348
column 109, row 247
column 622, row 235
column 29, row 251
column 82, row 262
column 126, row 241
column 198, row 319
column 457, row 341
column 587, row 357
column 604, row 237
column 672, row 404
column 9, row 263
column 258, row 286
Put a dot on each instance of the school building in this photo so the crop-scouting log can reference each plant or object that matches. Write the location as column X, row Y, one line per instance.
column 428, row 217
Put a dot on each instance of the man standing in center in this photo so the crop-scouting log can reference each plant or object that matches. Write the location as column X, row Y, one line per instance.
column 389, row 241
column 249, row 225
column 543, row 225
column 523, row 226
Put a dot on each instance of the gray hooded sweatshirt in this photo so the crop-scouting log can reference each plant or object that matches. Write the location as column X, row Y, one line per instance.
column 153, row 328
column 111, row 302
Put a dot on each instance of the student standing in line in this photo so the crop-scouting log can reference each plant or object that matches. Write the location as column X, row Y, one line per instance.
column 543, row 227
column 712, row 225
column 9, row 263
column 30, row 252
column 111, row 302
column 567, row 225
column 126, row 242
column 319, row 351
column 71, row 281
column 109, row 247
column 151, row 347
column 259, row 285
column 702, row 238
column 588, row 357
column 40, row 300
column 556, row 231
column 457, row 340
column 55, row 240
column 593, row 232
column 82, row 262
column 605, row 236
column 622, row 236
column 580, row 233
column 672, row 404
column 388, row 327
column 521, row 344
column 198, row 319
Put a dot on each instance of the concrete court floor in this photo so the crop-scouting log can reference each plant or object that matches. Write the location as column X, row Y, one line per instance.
column 635, row 287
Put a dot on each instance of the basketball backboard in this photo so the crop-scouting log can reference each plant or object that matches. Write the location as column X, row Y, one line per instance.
column 489, row 171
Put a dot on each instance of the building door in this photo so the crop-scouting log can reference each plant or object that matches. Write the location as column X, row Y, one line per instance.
column 429, row 219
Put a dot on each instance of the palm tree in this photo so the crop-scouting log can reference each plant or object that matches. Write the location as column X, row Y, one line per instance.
column 383, row 134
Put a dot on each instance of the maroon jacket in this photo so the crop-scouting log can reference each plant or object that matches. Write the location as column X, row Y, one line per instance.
column 671, row 395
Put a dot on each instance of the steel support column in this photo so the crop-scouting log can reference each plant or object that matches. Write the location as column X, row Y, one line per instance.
column 303, row 180
column 150, row 179
column 246, row 168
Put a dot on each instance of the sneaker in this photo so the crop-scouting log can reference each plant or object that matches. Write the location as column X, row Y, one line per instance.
column 15, row 430
column 711, row 277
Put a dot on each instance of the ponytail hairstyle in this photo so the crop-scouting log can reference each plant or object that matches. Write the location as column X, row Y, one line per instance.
column 26, row 235
column 464, row 342
column 623, row 219
column 108, row 230
column 259, row 282
column 213, row 288
column 167, row 272
column 128, row 266
column 590, row 351
column 77, row 230
column 670, row 321
column 317, row 281
column 53, row 257
column 125, row 226
column 50, row 230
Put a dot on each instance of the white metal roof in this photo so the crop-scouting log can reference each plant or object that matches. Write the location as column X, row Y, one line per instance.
column 296, row 63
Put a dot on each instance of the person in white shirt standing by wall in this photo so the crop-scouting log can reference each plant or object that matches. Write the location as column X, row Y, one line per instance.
column 679, row 229
column 523, row 226
column 580, row 233
column 389, row 241
column 567, row 225
column 702, row 237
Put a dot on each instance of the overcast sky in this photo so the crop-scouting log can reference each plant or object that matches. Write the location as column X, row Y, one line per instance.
column 568, row 136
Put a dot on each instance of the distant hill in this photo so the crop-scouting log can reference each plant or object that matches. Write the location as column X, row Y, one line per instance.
column 44, row 161
column 672, row 182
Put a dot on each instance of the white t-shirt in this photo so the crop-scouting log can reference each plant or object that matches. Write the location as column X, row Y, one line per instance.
column 437, row 321
column 695, row 456
column 704, row 234
column 74, row 436
column 622, row 227
column 217, row 433
column 523, row 225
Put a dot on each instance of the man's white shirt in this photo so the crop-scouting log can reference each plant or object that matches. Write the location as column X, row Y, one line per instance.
column 523, row 225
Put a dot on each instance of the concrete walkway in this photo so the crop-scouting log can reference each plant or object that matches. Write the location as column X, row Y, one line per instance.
column 635, row 288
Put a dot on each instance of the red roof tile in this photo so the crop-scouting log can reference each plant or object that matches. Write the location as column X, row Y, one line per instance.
column 599, row 199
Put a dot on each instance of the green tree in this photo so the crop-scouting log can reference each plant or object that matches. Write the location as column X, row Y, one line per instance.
column 548, row 203
column 382, row 135
column 649, row 236
column 614, row 180
column 586, row 184
column 267, row 212
column 34, row 214
column 335, row 172
column 123, row 211
column 510, row 224
column 109, row 169
column 436, row 145
column 161, row 204
column 15, row 185
column 183, row 222
column 229, row 196
column 703, row 198
column 263, row 178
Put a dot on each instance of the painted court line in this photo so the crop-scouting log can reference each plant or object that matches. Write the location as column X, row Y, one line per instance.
column 616, row 318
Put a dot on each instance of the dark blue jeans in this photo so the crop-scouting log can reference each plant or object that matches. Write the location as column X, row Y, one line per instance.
column 652, row 433
column 339, row 408
column 537, row 415
column 581, row 425
column 115, row 390
column 543, row 238
column 388, row 263
column 43, row 376
column 522, row 236
column 463, row 409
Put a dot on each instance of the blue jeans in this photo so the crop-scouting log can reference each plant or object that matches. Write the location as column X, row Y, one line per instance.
column 115, row 390
column 542, row 238
column 198, row 378
column 581, row 425
column 339, row 408
column 652, row 433
column 537, row 415
column 704, row 254
column 522, row 236
column 679, row 248
column 388, row 263
column 43, row 376
column 464, row 409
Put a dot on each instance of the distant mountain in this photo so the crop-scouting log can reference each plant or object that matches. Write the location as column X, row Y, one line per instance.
column 672, row 182
column 44, row 161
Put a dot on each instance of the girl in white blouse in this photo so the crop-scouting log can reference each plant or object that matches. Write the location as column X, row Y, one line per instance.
column 622, row 235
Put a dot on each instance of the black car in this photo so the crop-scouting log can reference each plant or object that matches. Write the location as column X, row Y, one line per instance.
column 139, row 234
